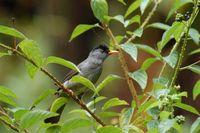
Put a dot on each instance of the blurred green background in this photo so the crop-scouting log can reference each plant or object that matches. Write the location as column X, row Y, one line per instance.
column 51, row 22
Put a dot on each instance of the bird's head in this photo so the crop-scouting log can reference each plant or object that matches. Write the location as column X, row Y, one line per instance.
column 101, row 52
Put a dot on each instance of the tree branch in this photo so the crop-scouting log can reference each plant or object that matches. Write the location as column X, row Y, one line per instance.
column 59, row 84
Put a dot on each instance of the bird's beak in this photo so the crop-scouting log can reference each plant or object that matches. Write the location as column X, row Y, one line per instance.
column 113, row 52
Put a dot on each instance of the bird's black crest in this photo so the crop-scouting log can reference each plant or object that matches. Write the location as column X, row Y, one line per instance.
column 103, row 47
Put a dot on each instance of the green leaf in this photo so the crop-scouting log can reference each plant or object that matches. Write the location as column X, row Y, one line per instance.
column 172, row 59
column 187, row 108
column 58, row 103
column 33, row 117
column 109, row 129
column 100, row 9
column 119, row 18
column 11, row 31
column 132, row 7
column 113, row 102
column 143, row 5
column 141, row 77
column 44, row 95
column 194, row 68
column 148, row 49
column 31, row 69
column 71, row 125
column 125, row 117
column 174, row 31
column 80, row 29
column 84, row 81
column 131, row 49
column 196, row 51
column 98, row 99
column 145, row 105
column 18, row 112
column 61, row 61
column 166, row 125
column 159, row 25
column 107, row 80
column 138, row 32
column 196, row 90
column 7, row 92
column 147, row 63
column 176, row 5
column 3, row 54
column 53, row 129
column 7, row 100
column 195, row 126
column 194, row 34
column 31, row 49
column 108, row 114
column 134, row 19
column 122, row 1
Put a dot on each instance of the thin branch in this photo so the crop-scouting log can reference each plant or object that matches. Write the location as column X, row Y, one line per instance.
column 185, row 67
column 146, row 21
column 59, row 84
column 124, row 65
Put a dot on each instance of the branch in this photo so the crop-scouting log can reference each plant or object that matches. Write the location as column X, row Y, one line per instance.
column 59, row 84
column 151, row 13
column 183, row 48
column 123, row 64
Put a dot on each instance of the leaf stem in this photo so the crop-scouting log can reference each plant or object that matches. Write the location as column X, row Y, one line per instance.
column 185, row 67
column 59, row 84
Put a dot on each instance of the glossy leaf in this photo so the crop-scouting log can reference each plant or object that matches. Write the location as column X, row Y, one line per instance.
column 6, row 99
column 171, row 59
column 73, row 124
column 147, row 63
column 148, row 49
column 195, row 128
column 33, row 117
column 130, row 49
column 80, row 29
column 31, row 49
column 176, row 5
column 31, row 69
column 186, row 107
column 7, row 92
column 166, row 125
column 18, row 112
column 44, row 95
column 134, row 19
column 84, row 81
column 141, row 77
column 107, row 80
column 132, row 7
column 194, row 34
column 11, row 31
column 109, row 129
column 196, row 51
column 100, row 9
column 122, row 1
column 196, row 90
column 106, row 114
column 58, row 103
column 138, row 32
column 113, row 102
column 61, row 61
column 143, row 5
column 125, row 117
column 174, row 31
column 98, row 99
column 194, row 68
column 159, row 25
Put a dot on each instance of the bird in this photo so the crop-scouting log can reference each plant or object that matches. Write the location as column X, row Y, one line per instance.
column 90, row 68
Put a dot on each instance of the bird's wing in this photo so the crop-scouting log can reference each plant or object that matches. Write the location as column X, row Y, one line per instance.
column 70, row 75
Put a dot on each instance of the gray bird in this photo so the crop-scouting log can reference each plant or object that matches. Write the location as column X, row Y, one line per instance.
column 90, row 68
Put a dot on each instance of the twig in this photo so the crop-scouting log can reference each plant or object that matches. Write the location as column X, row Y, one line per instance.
column 185, row 67
column 59, row 84
column 124, row 65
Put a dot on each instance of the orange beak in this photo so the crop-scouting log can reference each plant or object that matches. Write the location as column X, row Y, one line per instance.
column 113, row 52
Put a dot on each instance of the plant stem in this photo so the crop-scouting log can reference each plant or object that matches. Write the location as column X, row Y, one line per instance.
column 183, row 68
column 124, row 65
column 183, row 48
column 59, row 84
